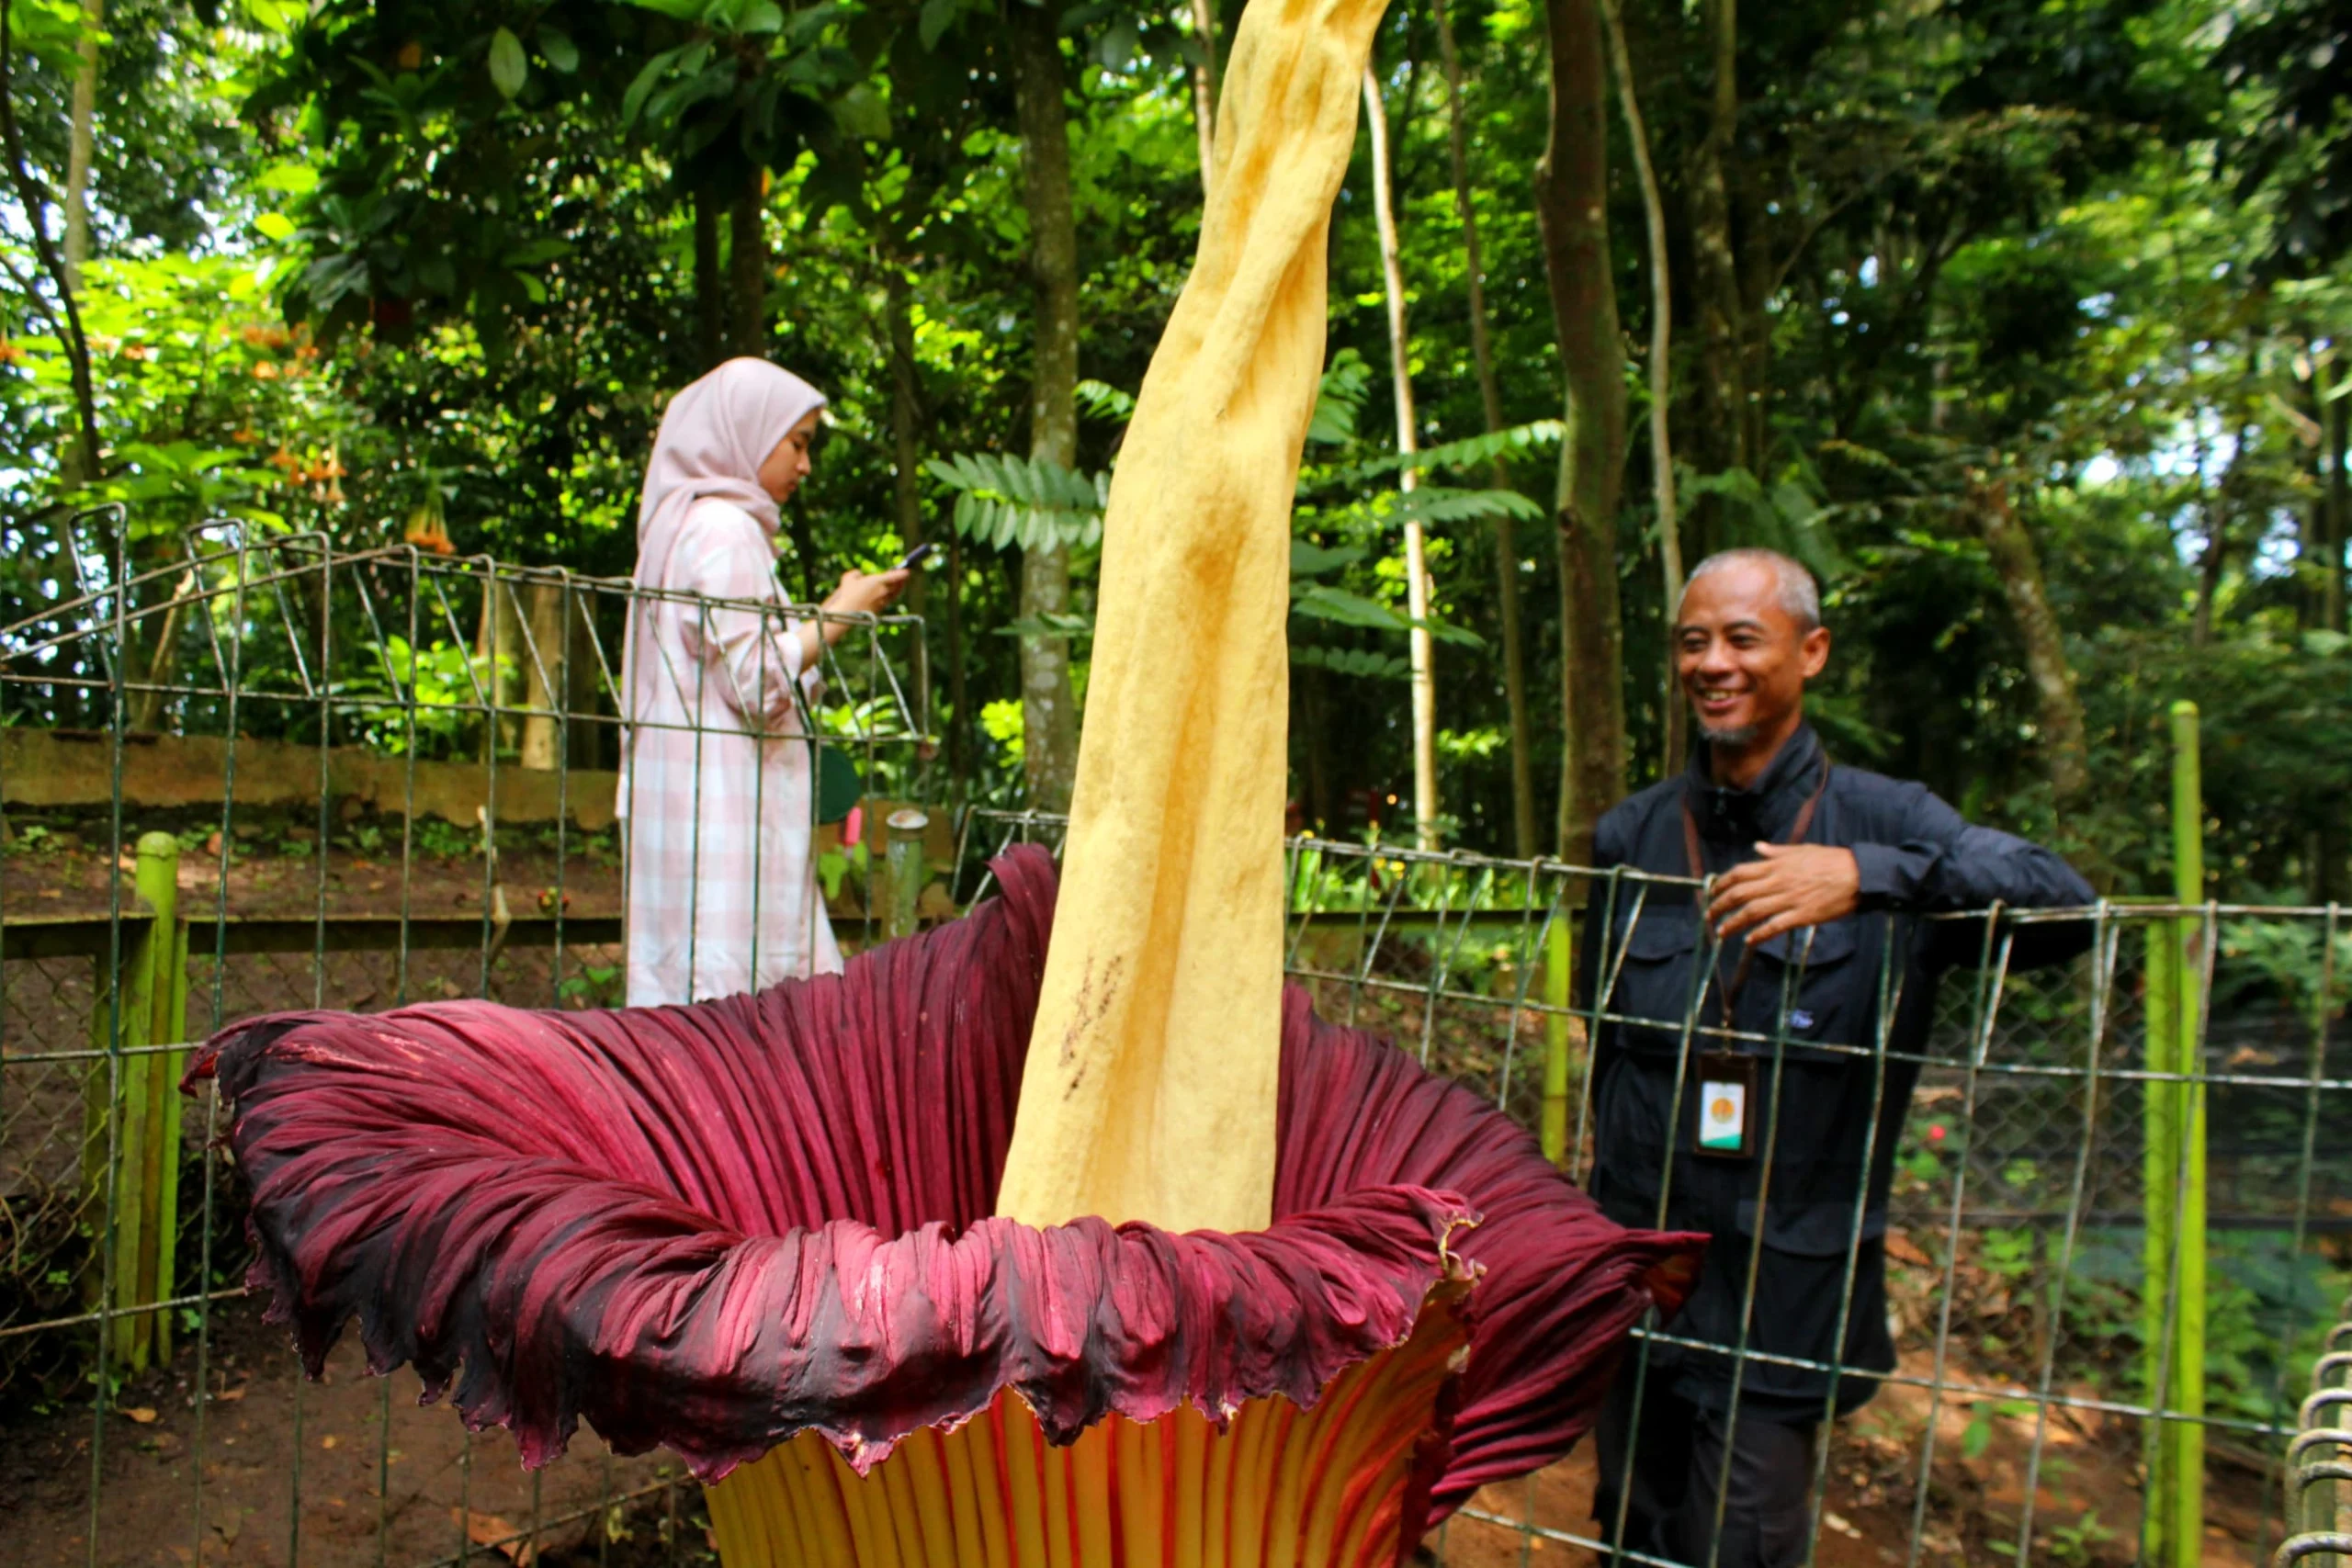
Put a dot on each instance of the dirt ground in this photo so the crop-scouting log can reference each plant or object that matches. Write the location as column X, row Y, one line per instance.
column 275, row 874
column 402, row 1493
column 2086, row 1504
column 412, row 1492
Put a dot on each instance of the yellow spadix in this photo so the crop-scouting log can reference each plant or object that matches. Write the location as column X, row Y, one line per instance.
column 1151, row 1085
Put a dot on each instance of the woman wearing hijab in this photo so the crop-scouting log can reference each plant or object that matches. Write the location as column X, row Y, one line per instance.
column 715, row 766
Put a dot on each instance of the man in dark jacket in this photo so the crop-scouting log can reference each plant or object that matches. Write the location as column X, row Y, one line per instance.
column 1742, row 1081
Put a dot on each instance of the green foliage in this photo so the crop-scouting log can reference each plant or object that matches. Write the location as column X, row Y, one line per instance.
column 444, row 840
column 1340, row 397
column 426, row 699
column 2284, row 958
column 1030, row 504
column 355, row 260
column 1364, row 662
column 834, row 865
column 1470, row 452
column 595, row 985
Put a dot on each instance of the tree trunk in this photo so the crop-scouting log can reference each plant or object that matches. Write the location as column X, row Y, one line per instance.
column 1416, row 577
column 959, row 720
column 1314, row 729
column 543, row 676
column 1758, row 276
column 497, row 645
column 710, row 300
column 1572, row 212
column 162, row 662
column 33, row 198
column 747, row 268
column 1482, row 356
column 1205, row 87
column 2210, row 564
column 587, row 744
column 906, row 479
column 906, row 416
column 1669, row 532
column 2331, row 515
column 2333, row 511
column 77, row 147
column 1048, row 708
column 83, row 460
column 803, row 550
column 1721, row 399
column 2218, row 499
column 2059, row 709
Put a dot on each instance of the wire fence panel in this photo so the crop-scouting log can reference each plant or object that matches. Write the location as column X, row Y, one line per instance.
column 270, row 775
column 354, row 781
column 2024, row 1291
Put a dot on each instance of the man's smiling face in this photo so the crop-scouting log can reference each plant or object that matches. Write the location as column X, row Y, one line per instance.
column 1744, row 657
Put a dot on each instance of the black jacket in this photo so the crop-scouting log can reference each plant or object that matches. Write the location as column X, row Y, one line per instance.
column 1916, row 856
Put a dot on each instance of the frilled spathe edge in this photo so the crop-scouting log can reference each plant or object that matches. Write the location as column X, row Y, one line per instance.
column 553, row 1298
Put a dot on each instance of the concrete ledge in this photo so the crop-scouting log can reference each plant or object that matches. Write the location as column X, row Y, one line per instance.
column 69, row 768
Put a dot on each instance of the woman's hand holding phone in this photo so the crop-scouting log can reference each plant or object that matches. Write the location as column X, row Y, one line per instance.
column 860, row 593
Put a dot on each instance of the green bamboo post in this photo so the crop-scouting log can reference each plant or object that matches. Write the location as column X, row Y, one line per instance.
column 165, row 950
column 132, row 1097
column 1558, row 960
column 904, row 835
column 113, row 1118
column 2173, row 1179
column 2160, row 1173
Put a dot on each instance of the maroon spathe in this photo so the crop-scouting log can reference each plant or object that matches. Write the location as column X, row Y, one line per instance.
column 709, row 1227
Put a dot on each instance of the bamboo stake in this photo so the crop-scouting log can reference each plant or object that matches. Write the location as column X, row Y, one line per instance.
column 1417, row 576
column 1559, row 961
column 2173, row 1302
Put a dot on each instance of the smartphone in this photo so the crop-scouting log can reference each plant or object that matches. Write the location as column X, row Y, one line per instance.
column 915, row 558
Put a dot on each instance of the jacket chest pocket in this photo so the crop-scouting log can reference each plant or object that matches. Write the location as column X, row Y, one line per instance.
column 1817, row 986
column 1652, row 971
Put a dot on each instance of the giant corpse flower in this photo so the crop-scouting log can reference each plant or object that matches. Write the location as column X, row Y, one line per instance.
column 758, row 1231
column 1061, row 1236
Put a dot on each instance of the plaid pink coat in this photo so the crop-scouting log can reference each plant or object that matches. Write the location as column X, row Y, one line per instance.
column 715, row 782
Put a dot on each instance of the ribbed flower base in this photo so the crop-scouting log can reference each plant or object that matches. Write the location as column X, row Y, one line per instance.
column 1340, row 1485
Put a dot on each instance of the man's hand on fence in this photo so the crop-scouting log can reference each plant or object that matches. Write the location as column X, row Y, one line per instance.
column 1792, row 885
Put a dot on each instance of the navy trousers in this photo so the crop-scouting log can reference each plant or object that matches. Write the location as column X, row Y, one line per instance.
column 1676, row 1451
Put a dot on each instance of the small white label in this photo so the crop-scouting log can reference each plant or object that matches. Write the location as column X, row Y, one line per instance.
column 1723, row 1115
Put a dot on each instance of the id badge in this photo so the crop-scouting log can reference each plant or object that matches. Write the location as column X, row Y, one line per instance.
column 1726, row 1105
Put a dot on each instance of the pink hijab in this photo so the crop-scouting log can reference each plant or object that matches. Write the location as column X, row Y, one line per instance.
column 714, row 437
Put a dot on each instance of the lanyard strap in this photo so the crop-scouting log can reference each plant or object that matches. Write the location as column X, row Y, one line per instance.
column 1729, row 997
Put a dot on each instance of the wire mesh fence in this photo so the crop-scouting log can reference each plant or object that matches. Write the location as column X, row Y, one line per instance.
column 2040, row 1245
column 261, row 774
column 2100, row 1331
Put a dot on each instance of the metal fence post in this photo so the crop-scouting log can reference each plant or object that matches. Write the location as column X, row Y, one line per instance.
column 2173, row 1179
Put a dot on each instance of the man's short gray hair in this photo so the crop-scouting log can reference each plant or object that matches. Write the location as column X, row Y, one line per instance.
column 1800, row 596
